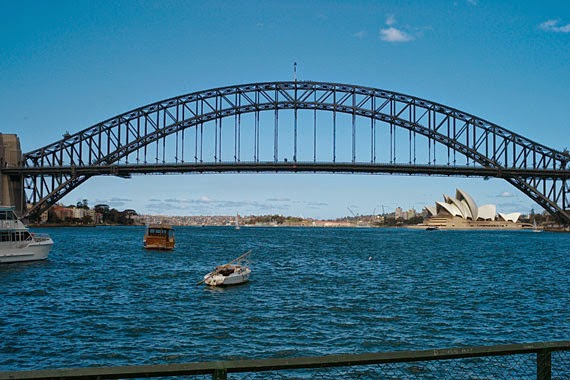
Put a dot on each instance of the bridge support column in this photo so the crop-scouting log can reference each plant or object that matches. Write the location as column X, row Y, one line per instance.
column 11, row 188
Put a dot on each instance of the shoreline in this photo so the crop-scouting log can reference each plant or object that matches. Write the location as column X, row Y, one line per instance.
column 325, row 225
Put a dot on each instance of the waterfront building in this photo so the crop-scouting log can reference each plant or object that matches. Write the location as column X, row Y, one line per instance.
column 66, row 213
column 399, row 213
column 62, row 212
column 461, row 212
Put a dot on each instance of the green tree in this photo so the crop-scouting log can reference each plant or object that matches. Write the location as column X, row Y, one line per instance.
column 52, row 217
column 82, row 204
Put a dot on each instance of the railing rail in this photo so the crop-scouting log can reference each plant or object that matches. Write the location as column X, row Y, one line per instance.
column 220, row 369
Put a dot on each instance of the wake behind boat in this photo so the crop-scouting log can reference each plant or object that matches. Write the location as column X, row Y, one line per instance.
column 235, row 272
column 17, row 244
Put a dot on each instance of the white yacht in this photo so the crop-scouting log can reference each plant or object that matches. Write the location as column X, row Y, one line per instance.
column 235, row 272
column 17, row 243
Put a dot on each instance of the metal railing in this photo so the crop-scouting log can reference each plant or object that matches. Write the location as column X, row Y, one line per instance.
column 541, row 361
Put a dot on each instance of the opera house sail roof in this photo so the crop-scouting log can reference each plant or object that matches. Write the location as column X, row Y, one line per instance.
column 462, row 206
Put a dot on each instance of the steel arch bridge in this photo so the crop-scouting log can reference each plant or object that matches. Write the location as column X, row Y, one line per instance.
column 296, row 127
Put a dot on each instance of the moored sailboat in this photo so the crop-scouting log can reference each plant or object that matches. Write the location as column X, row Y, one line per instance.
column 535, row 227
column 234, row 272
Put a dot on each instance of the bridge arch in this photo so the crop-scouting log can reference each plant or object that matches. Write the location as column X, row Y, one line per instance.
column 173, row 135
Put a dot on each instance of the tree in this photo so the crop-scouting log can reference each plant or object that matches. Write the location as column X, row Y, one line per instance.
column 104, row 210
column 52, row 217
column 101, row 208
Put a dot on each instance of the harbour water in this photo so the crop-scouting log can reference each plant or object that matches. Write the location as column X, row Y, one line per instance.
column 101, row 299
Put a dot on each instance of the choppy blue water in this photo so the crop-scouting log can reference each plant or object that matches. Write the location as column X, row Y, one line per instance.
column 101, row 299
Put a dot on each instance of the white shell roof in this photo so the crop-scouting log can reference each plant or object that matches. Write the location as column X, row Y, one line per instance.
column 487, row 212
column 512, row 217
column 432, row 210
column 465, row 207
column 449, row 207
column 462, row 195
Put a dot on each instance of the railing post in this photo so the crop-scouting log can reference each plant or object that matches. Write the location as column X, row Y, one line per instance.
column 220, row 374
column 543, row 365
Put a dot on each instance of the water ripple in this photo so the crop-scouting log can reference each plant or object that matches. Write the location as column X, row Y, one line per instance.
column 101, row 299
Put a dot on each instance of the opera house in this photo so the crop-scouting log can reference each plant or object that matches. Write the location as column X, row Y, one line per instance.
column 461, row 213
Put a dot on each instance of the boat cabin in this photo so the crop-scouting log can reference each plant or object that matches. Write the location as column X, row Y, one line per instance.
column 159, row 236
column 8, row 218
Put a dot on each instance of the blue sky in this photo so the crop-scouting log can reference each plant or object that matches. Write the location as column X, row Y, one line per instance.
column 66, row 65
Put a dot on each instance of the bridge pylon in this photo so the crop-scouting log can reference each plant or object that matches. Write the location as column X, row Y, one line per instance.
column 11, row 187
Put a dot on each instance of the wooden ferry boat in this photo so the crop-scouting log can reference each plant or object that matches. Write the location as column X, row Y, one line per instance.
column 159, row 237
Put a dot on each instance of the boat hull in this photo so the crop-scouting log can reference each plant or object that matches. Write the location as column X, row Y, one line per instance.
column 213, row 279
column 159, row 247
column 33, row 252
column 236, row 279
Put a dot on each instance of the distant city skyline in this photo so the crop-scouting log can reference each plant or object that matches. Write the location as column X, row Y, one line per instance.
column 286, row 205
column 65, row 66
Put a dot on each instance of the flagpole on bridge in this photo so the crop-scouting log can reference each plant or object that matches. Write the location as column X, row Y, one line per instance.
column 295, row 71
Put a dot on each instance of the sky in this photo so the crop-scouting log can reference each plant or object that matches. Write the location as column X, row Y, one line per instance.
column 67, row 65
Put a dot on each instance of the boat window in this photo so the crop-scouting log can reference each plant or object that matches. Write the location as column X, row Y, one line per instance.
column 7, row 215
column 159, row 232
column 16, row 236
column 5, row 236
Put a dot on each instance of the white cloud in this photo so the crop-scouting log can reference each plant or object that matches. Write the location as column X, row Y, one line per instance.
column 506, row 194
column 472, row 2
column 207, row 206
column 360, row 35
column 392, row 34
column 114, row 202
column 552, row 26
column 319, row 204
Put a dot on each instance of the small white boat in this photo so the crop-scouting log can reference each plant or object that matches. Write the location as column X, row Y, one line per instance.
column 237, row 222
column 17, row 243
column 235, row 272
column 535, row 227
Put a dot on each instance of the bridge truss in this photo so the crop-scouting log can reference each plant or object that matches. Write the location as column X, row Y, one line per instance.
column 294, row 127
